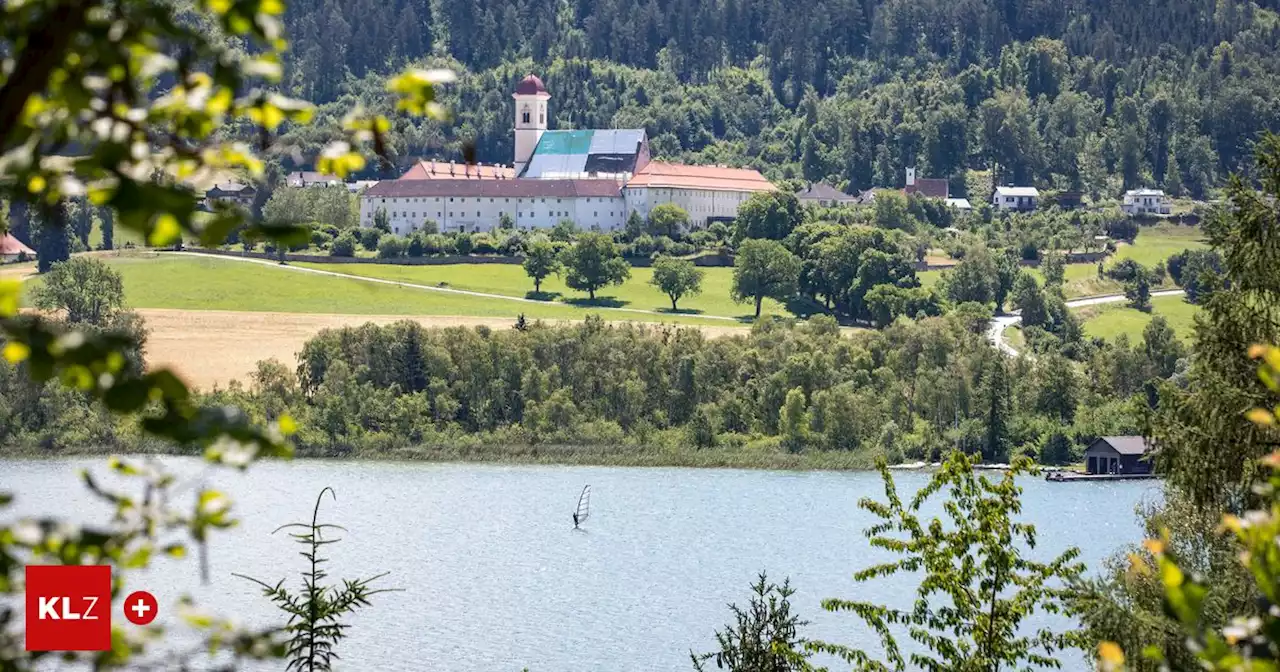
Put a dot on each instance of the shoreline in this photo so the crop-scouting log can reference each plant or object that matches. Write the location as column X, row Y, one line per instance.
column 545, row 455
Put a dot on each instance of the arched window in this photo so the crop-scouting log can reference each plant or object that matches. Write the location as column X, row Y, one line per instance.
column 524, row 115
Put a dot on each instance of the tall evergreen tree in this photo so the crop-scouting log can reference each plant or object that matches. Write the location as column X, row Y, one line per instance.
column 53, row 244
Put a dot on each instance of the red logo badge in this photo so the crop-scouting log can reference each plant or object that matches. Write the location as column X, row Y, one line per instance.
column 140, row 607
column 68, row 607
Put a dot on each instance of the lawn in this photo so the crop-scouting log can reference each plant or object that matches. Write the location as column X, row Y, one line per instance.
column 119, row 237
column 510, row 280
column 1111, row 320
column 1153, row 245
column 202, row 283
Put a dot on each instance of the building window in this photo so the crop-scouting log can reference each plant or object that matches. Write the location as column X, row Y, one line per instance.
column 524, row 115
column 450, row 199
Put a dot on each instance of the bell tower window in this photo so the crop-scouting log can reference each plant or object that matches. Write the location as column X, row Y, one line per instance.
column 524, row 115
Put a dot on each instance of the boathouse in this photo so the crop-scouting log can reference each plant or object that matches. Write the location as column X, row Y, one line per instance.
column 1117, row 455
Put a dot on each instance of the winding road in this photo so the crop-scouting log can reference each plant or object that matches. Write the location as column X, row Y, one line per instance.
column 1001, row 322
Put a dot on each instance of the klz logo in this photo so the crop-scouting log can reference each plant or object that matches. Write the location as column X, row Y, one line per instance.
column 68, row 608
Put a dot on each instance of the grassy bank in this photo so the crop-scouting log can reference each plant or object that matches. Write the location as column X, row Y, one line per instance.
column 547, row 454
column 1111, row 320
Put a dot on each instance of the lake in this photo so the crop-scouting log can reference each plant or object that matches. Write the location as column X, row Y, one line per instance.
column 495, row 578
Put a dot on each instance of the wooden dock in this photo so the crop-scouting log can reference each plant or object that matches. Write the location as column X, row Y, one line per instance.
column 1065, row 476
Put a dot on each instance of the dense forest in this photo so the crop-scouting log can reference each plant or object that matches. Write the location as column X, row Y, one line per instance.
column 1087, row 95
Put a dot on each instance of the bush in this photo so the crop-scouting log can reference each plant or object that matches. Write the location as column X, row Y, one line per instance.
column 643, row 246
column 1029, row 251
column 681, row 249
column 415, row 248
column 344, row 245
column 512, row 245
column 320, row 239
column 483, row 244
column 392, row 247
column 704, row 239
column 463, row 244
column 369, row 239
column 435, row 243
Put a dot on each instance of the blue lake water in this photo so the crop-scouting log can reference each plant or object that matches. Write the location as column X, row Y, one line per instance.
column 493, row 576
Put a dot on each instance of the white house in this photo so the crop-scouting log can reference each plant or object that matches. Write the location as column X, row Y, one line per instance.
column 821, row 194
column 1146, row 202
column 477, row 205
column 1015, row 198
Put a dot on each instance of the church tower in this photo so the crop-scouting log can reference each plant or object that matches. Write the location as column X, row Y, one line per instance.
column 531, row 118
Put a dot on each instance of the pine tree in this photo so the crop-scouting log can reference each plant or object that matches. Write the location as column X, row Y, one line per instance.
column 53, row 244
column 20, row 222
column 107, row 217
column 996, row 412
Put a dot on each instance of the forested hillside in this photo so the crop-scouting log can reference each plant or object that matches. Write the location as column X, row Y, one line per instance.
column 1075, row 94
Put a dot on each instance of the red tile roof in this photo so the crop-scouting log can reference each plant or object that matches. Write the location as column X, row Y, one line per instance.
column 441, row 170
column 929, row 187
column 711, row 178
column 520, row 188
column 10, row 245
column 530, row 85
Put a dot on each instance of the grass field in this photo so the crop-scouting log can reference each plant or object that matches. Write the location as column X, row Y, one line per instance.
column 1153, row 245
column 1111, row 320
column 201, row 283
column 119, row 237
column 510, row 280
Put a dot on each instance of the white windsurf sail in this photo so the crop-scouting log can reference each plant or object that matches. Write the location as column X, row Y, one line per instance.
column 584, row 507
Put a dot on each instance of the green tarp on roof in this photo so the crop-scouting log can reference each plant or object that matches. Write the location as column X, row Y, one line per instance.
column 565, row 142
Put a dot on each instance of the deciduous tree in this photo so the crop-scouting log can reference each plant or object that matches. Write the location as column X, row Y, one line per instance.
column 764, row 268
column 593, row 262
column 676, row 278
column 540, row 261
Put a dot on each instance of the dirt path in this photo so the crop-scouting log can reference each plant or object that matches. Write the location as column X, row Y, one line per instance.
column 209, row 347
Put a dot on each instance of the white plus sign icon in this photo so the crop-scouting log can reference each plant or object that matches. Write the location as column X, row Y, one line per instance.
column 140, row 607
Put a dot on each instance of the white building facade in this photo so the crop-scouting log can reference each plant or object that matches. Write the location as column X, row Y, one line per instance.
column 475, row 205
column 1016, row 198
column 1146, row 202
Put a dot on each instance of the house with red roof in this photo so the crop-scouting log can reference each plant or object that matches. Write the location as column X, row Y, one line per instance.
column 12, row 249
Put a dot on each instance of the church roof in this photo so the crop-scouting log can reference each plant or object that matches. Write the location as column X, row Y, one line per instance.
column 929, row 187
column 530, row 85
column 588, row 152
column 517, row 188
column 710, row 178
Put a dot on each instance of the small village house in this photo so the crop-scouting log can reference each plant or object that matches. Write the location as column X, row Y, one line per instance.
column 12, row 249
column 929, row 187
column 1013, row 198
column 961, row 204
column 824, row 195
column 1118, row 455
column 308, row 178
column 231, row 192
column 1146, row 202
